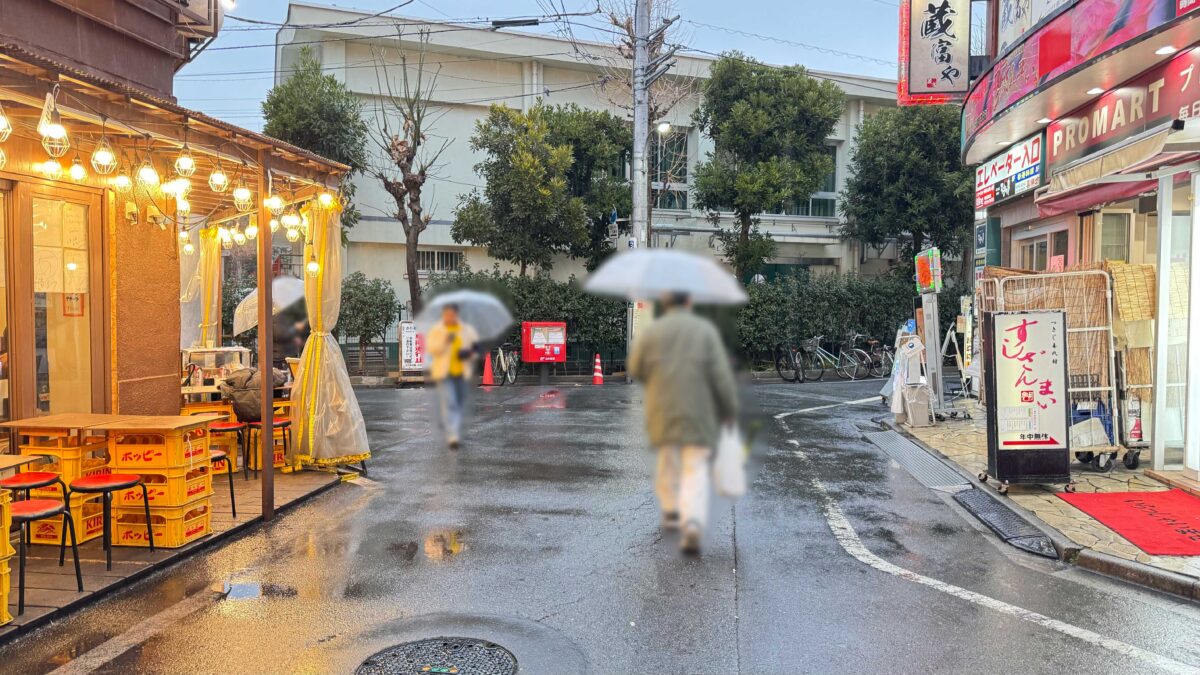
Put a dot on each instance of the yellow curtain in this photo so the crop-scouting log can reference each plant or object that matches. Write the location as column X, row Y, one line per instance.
column 329, row 424
column 210, row 288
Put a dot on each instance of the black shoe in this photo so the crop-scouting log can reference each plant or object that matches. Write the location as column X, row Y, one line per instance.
column 689, row 544
column 670, row 520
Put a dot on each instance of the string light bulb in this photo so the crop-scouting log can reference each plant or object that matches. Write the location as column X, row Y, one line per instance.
column 51, row 129
column 239, row 237
column 77, row 172
column 217, row 180
column 104, row 159
column 52, row 168
column 122, row 182
column 242, row 197
column 185, row 164
column 325, row 199
column 290, row 220
column 188, row 248
column 252, row 231
column 147, row 175
column 182, row 207
column 313, row 267
column 169, row 187
column 184, row 236
column 274, row 203
column 274, row 225
column 5, row 126
column 226, row 239
column 293, row 235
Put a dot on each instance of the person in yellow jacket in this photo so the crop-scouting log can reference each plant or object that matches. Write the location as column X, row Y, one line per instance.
column 451, row 346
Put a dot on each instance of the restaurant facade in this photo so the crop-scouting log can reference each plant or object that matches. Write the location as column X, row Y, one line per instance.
column 1084, row 128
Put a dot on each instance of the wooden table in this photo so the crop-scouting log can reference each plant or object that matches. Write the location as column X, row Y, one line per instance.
column 10, row 462
column 158, row 423
column 63, row 421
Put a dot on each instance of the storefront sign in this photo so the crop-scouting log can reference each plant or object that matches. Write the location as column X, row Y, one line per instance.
column 934, row 51
column 412, row 347
column 1185, row 6
column 1017, row 171
column 1087, row 30
column 1016, row 17
column 1029, row 353
column 929, row 271
column 1166, row 92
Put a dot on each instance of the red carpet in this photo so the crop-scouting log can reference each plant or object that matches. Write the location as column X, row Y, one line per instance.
column 1159, row 523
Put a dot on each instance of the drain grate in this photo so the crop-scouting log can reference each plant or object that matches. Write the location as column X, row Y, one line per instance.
column 927, row 469
column 1007, row 525
column 455, row 655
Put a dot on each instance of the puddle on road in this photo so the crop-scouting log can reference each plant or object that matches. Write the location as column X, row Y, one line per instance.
column 252, row 590
column 550, row 400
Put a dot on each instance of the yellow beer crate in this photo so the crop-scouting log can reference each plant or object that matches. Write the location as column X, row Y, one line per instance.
column 68, row 458
column 5, row 588
column 173, row 526
column 87, row 512
column 148, row 451
column 169, row 487
column 6, row 549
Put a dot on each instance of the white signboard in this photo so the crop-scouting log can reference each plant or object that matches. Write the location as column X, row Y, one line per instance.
column 1031, row 380
column 412, row 347
column 939, row 36
column 1016, row 171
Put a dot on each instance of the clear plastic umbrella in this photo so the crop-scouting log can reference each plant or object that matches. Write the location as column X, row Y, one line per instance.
column 484, row 312
column 650, row 273
column 285, row 292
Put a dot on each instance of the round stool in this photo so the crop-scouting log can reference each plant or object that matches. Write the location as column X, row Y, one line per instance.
column 25, row 512
column 106, row 485
column 284, row 424
column 217, row 457
column 238, row 428
column 32, row 480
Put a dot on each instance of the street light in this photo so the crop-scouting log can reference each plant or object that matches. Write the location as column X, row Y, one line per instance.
column 664, row 127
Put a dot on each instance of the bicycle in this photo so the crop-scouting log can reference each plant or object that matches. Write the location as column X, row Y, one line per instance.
column 786, row 361
column 882, row 358
column 862, row 366
column 506, row 364
column 815, row 360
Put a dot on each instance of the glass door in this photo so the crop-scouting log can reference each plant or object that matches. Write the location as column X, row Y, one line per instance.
column 59, row 295
column 1170, row 420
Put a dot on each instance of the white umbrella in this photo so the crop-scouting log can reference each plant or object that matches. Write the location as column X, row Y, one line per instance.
column 285, row 292
column 645, row 274
column 483, row 312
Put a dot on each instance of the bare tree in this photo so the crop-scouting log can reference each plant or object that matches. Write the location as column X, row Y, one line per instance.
column 404, row 118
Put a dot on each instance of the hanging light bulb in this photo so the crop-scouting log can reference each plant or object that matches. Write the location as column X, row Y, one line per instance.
column 5, row 125
column 274, row 203
column 147, row 175
column 293, row 235
column 182, row 207
column 185, row 164
column 169, row 187
column 52, row 168
column 217, row 180
column 325, row 199
column 313, row 267
column 122, row 182
column 243, row 199
column 77, row 172
column 184, row 236
column 104, row 160
column 290, row 220
column 239, row 237
column 188, row 249
column 274, row 225
column 224, row 236
column 51, row 129
column 252, row 231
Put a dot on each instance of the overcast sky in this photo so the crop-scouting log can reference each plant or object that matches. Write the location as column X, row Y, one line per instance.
column 231, row 78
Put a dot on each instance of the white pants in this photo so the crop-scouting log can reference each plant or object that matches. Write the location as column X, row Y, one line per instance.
column 682, row 482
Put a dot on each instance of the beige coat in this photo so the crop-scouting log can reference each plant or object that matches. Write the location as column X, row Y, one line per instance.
column 690, row 388
column 438, row 344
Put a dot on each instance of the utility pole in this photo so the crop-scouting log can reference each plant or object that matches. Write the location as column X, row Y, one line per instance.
column 641, row 124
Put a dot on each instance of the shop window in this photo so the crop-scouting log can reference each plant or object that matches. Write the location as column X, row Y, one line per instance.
column 1114, row 236
column 62, row 321
column 1059, row 245
column 1034, row 254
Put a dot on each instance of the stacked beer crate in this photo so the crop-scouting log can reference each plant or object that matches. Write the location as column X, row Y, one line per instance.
column 71, row 457
column 6, row 554
column 175, row 468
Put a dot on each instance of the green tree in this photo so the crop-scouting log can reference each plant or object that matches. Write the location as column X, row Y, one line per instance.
column 526, row 212
column 907, row 182
column 369, row 307
column 600, row 143
column 316, row 112
column 769, row 126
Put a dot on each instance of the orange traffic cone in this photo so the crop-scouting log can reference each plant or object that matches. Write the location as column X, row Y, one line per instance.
column 597, row 374
column 488, row 379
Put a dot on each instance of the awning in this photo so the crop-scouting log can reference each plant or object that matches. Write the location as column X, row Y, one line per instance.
column 1120, row 173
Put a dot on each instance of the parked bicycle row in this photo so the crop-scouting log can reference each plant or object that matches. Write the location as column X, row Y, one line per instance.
column 810, row 359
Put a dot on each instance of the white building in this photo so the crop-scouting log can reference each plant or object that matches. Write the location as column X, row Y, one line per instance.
column 477, row 67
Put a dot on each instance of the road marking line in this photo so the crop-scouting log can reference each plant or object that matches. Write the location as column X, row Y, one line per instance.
column 844, row 532
column 860, row 401
column 104, row 653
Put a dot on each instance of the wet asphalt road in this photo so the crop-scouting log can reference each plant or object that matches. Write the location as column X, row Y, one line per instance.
column 542, row 535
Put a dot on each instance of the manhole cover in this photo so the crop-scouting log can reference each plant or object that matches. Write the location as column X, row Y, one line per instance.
column 460, row 656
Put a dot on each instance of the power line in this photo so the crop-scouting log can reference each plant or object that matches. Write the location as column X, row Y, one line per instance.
column 793, row 43
column 821, row 76
column 350, row 22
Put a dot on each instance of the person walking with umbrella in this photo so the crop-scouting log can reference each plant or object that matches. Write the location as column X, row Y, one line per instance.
column 454, row 324
column 689, row 384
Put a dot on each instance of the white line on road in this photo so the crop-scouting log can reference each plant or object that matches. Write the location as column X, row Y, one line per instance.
column 860, row 401
column 102, row 654
column 844, row 532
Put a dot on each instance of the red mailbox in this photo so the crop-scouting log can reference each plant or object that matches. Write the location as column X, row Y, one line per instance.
column 543, row 342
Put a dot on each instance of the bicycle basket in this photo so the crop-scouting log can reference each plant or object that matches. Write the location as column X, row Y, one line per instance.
column 810, row 345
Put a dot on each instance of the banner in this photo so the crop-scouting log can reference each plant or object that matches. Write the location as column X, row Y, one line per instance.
column 412, row 347
column 935, row 51
column 1007, row 175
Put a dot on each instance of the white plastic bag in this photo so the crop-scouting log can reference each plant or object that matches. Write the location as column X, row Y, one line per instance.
column 729, row 471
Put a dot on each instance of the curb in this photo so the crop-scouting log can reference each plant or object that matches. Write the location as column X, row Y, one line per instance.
column 1134, row 572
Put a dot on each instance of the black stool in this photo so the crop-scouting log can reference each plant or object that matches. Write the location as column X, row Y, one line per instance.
column 106, row 485
column 29, row 510
column 217, row 457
